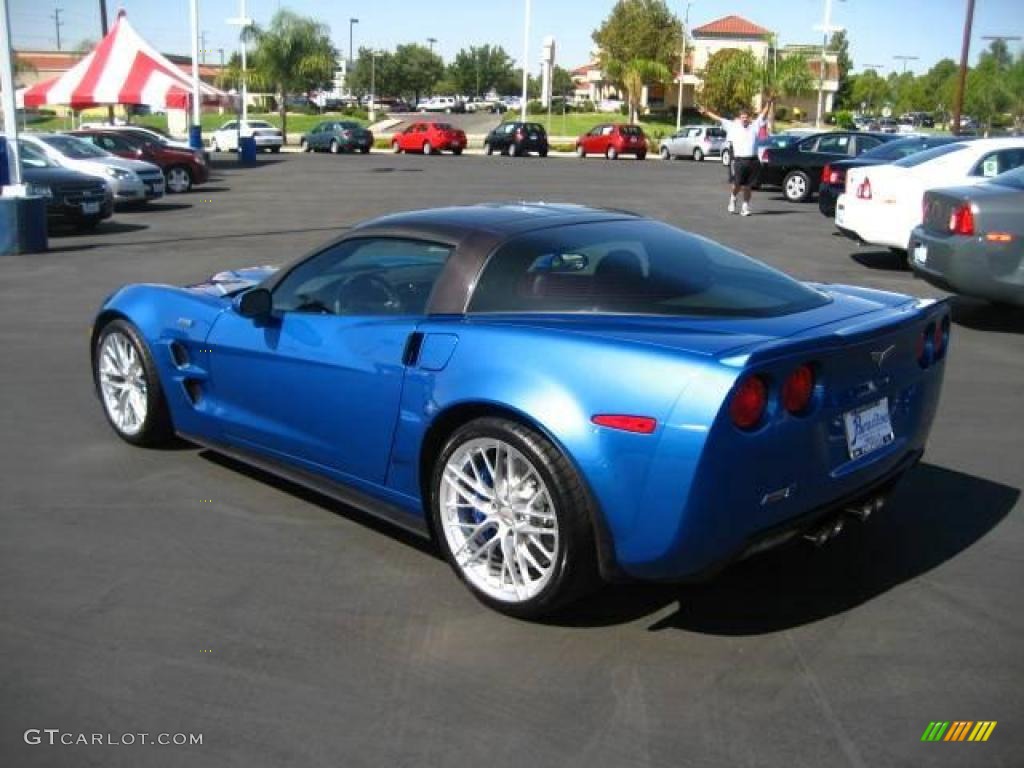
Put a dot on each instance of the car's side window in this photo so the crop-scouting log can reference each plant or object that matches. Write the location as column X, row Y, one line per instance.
column 836, row 145
column 1000, row 161
column 366, row 276
column 864, row 143
column 607, row 130
column 229, row 126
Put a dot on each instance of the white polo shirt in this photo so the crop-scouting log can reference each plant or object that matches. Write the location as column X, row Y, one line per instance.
column 742, row 139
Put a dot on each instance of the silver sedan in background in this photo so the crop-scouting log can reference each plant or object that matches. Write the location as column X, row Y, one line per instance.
column 694, row 141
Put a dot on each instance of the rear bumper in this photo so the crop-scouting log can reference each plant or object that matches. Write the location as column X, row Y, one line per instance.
column 827, row 196
column 971, row 266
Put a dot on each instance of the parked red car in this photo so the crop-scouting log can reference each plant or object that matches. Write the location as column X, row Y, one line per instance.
column 428, row 138
column 183, row 168
column 612, row 140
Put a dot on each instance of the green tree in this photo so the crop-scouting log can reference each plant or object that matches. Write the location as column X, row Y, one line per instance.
column 1016, row 83
column 478, row 69
column 292, row 55
column 840, row 45
column 791, row 77
column 987, row 94
column 731, row 78
column 869, row 91
column 417, row 68
column 633, row 76
column 368, row 74
column 561, row 83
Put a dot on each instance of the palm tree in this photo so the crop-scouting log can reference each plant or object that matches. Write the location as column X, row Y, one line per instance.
column 788, row 77
column 294, row 54
column 632, row 76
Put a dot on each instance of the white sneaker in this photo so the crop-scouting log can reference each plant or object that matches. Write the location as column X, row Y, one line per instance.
column 745, row 210
column 732, row 205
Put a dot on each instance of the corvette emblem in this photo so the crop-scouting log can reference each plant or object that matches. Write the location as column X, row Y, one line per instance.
column 879, row 355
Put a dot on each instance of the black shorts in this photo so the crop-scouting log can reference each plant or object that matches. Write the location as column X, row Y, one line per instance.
column 745, row 170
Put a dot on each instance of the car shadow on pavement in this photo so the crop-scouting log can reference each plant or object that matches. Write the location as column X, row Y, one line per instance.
column 106, row 228
column 153, row 208
column 981, row 316
column 886, row 260
column 932, row 516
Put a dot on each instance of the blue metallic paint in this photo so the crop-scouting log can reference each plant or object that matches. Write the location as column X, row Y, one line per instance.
column 330, row 395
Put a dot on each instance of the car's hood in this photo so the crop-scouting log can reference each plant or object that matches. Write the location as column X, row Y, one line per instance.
column 128, row 164
column 233, row 280
column 717, row 336
column 55, row 175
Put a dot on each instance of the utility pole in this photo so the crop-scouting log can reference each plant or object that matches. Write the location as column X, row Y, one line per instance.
column 826, row 29
column 195, row 134
column 430, row 42
column 57, row 23
column 202, row 46
column 526, row 62
column 351, row 50
column 682, row 66
column 905, row 59
column 958, row 99
column 243, row 22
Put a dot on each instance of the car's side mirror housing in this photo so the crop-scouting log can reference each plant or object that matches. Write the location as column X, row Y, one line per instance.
column 256, row 303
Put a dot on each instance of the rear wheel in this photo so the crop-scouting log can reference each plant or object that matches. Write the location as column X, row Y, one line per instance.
column 428, row 148
column 796, row 186
column 334, row 147
column 488, row 149
column 513, row 150
column 726, row 156
column 543, row 152
column 129, row 386
column 580, row 151
column 665, row 154
column 512, row 518
column 365, row 150
column 641, row 155
column 395, row 147
column 611, row 153
column 457, row 151
column 304, row 146
column 698, row 154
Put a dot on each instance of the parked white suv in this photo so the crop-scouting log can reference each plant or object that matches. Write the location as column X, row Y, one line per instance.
column 446, row 104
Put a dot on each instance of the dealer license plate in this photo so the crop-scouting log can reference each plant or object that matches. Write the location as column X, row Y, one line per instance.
column 921, row 254
column 868, row 428
column 840, row 215
column 88, row 208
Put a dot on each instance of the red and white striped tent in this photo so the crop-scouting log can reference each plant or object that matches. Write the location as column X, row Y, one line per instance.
column 122, row 69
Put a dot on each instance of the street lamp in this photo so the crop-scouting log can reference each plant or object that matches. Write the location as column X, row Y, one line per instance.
column 243, row 22
column 826, row 27
column 905, row 59
column 351, row 50
column 373, row 84
column 430, row 42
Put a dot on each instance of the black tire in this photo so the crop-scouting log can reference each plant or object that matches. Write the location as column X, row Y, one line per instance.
column 513, row 150
column 641, row 155
column 611, row 153
column 575, row 571
column 796, row 187
column 581, row 153
column 428, row 148
column 365, row 150
column 396, row 148
column 334, row 148
column 184, row 175
column 543, row 153
column 304, row 146
column 726, row 157
column 488, row 149
column 157, row 428
column 698, row 154
column 274, row 150
column 665, row 154
column 457, row 151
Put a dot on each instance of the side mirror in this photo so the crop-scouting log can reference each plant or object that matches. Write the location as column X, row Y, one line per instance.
column 255, row 303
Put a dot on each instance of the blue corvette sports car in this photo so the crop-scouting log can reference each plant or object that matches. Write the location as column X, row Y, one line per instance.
column 557, row 394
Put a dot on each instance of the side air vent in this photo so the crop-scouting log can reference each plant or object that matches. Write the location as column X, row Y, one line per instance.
column 194, row 390
column 179, row 354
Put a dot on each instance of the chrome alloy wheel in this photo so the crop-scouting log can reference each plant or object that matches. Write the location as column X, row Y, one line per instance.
column 499, row 520
column 178, row 180
column 123, row 384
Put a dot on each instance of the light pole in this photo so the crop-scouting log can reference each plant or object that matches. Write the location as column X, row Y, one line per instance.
column 351, row 51
column 373, row 84
column 965, row 48
column 195, row 134
column 9, row 104
column 526, row 62
column 905, row 59
column 243, row 22
column 826, row 28
column 430, row 43
column 682, row 66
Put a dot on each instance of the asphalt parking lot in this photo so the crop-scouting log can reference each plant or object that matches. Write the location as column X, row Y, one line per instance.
column 173, row 591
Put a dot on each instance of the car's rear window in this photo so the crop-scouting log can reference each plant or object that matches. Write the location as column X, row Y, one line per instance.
column 1014, row 178
column 929, row 154
column 443, row 126
column 534, row 128
column 894, row 150
column 633, row 267
column 631, row 130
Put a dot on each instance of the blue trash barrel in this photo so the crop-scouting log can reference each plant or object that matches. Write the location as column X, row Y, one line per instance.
column 195, row 136
column 247, row 150
column 22, row 225
column 5, row 171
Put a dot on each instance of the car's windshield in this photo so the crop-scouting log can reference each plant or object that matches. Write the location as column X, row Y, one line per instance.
column 929, row 154
column 631, row 130
column 633, row 267
column 32, row 157
column 894, row 150
column 259, row 124
column 443, row 126
column 74, row 148
column 1014, row 179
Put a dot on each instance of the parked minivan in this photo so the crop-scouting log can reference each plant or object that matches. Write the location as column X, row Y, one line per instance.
column 694, row 141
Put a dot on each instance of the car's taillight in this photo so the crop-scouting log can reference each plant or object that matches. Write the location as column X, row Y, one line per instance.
column 643, row 425
column 961, row 220
column 346, row 134
column 864, row 189
column 831, row 176
column 825, row 172
column 767, row 156
column 797, row 389
column 748, row 402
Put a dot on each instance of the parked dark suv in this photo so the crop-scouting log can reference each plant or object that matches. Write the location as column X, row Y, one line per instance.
column 517, row 138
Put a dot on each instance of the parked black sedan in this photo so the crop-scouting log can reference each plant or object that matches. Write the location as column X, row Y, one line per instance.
column 337, row 136
column 795, row 167
column 72, row 198
column 972, row 239
column 517, row 138
column 833, row 175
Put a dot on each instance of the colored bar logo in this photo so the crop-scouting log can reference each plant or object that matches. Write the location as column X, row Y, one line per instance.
column 959, row 730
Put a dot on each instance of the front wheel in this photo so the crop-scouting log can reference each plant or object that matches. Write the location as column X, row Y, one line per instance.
column 542, row 153
column 580, row 151
column 698, row 155
column 513, row 150
column 304, row 146
column 129, row 386
column 334, row 147
column 179, row 179
column 457, row 151
column 665, row 154
column 611, row 153
column 796, row 186
column 726, row 157
column 512, row 518
column 641, row 155
column 488, row 149
column 365, row 150
column 428, row 148
column 395, row 147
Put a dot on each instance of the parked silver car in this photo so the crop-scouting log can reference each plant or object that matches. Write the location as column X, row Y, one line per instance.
column 694, row 141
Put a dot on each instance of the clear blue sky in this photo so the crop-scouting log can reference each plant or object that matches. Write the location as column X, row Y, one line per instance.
column 878, row 29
